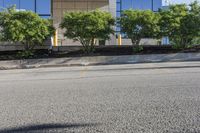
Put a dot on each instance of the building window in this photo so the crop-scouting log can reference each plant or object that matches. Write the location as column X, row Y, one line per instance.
column 8, row 3
column 41, row 7
column 28, row 5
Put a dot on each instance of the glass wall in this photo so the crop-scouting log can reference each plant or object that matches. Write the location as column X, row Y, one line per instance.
column 42, row 7
column 153, row 5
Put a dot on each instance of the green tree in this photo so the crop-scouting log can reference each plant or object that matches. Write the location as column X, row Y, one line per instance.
column 181, row 23
column 25, row 27
column 138, row 24
column 85, row 27
column 190, row 25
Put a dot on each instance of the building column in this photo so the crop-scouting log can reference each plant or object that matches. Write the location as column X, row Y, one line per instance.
column 112, row 7
column 113, row 11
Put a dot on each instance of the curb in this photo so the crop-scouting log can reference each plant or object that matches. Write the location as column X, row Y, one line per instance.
column 103, row 60
column 98, row 64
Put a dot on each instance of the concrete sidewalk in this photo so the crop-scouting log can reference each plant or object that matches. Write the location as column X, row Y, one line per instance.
column 98, row 60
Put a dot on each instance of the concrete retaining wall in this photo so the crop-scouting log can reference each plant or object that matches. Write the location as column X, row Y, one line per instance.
column 98, row 60
column 66, row 48
column 7, row 46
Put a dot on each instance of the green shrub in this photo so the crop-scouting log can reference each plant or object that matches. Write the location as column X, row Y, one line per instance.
column 25, row 54
column 138, row 24
column 196, row 41
column 86, row 27
column 181, row 23
column 25, row 27
column 177, row 46
column 138, row 49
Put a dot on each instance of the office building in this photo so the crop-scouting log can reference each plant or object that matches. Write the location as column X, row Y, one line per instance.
column 55, row 9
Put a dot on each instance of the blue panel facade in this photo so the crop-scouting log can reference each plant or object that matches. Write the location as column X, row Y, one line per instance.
column 153, row 5
column 42, row 7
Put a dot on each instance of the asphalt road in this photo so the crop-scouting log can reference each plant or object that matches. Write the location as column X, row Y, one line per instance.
column 107, row 99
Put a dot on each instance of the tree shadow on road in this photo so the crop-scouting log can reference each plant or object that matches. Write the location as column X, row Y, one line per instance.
column 43, row 128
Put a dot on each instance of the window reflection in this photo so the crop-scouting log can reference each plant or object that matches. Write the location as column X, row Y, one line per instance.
column 139, row 4
column 29, row 5
column 40, row 6
column 8, row 3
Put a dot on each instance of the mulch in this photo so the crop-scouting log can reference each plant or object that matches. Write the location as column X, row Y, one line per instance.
column 101, row 51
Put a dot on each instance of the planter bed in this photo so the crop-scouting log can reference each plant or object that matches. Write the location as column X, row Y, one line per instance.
column 100, row 51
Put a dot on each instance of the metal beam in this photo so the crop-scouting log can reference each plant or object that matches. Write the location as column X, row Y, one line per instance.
column 35, row 6
column 152, row 1
column 52, row 8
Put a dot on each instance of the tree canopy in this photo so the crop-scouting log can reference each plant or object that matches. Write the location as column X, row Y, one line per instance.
column 85, row 27
column 25, row 27
column 181, row 23
column 138, row 24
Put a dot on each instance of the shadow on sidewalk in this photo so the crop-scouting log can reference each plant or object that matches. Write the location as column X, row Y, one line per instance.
column 43, row 128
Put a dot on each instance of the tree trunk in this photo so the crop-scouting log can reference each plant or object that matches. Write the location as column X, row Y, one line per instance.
column 92, row 45
column 26, row 46
column 135, row 42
